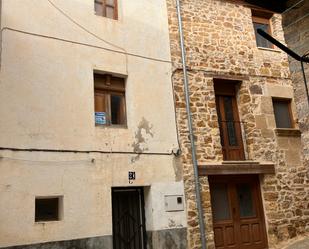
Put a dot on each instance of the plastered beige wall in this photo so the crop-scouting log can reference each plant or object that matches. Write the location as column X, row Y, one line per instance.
column 46, row 101
column 85, row 183
column 46, row 86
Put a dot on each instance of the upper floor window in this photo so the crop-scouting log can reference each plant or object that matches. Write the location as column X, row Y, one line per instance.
column 283, row 113
column 106, row 8
column 261, row 20
column 109, row 100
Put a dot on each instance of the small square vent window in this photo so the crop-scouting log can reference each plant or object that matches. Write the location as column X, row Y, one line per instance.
column 47, row 208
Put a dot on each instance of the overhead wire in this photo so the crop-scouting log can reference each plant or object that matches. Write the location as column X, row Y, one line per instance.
column 46, row 161
column 292, row 7
column 89, row 32
column 119, row 50
column 83, row 28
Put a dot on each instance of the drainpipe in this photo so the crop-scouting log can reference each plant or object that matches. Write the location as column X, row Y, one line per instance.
column 191, row 135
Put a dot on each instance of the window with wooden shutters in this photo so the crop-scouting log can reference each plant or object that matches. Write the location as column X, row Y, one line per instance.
column 261, row 20
column 283, row 113
column 109, row 100
column 106, row 8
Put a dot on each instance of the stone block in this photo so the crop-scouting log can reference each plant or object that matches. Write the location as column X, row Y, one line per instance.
column 295, row 142
column 283, row 142
column 266, row 105
column 279, row 91
column 271, row 122
column 268, row 133
column 260, row 122
column 256, row 89
column 293, row 157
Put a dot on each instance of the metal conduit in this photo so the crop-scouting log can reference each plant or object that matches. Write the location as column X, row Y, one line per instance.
column 191, row 135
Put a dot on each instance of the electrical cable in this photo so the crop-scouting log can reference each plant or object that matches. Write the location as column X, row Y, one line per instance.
column 85, row 151
column 45, row 161
column 297, row 20
column 293, row 6
column 89, row 32
column 83, row 44
column 83, row 28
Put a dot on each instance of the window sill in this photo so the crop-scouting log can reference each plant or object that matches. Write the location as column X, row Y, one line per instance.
column 46, row 222
column 287, row 132
column 270, row 49
column 109, row 18
column 111, row 126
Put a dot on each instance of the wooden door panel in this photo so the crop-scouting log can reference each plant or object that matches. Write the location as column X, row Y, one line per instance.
column 225, row 236
column 245, row 233
column 219, row 237
column 257, row 235
column 230, row 129
column 252, row 236
column 234, row 154
column 230, row 236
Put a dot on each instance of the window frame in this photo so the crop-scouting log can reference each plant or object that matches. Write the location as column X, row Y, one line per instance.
column 108, row 90
column 290, row 113
column 105, row 5
column 262, row 17
column 59, row 211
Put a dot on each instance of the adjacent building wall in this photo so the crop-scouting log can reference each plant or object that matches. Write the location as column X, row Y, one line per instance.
column 49, row 143
column 220, row 43
column 295, row 25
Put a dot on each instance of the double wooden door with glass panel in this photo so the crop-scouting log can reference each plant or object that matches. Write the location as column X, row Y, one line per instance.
column 238, row 218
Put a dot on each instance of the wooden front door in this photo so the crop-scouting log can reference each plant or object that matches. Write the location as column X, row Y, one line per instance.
column 128, row 218
column 238, row 218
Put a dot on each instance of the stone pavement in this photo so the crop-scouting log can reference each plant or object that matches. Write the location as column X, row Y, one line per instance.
column 302, row 244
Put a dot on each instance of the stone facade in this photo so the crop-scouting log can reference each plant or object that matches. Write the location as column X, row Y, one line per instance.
column 220, row 43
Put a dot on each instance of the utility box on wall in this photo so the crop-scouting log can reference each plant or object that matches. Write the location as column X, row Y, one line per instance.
column 174, row 203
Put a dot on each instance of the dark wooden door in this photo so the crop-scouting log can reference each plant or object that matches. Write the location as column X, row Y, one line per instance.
column 238, row 218
column 230, row 129
column 128, row 218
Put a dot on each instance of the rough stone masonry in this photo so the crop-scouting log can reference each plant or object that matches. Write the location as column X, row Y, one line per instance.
column 220, row 43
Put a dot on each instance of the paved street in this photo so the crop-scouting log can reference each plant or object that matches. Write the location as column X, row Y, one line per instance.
column 303, row 244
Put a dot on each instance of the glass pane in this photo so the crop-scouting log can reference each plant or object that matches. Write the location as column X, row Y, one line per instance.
column 109, row 12
column 117, row 109
column 220, row 202
column 245, row 200
column 229, row 118
column 282, row 114
column 98, row 7
column 261, row 41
